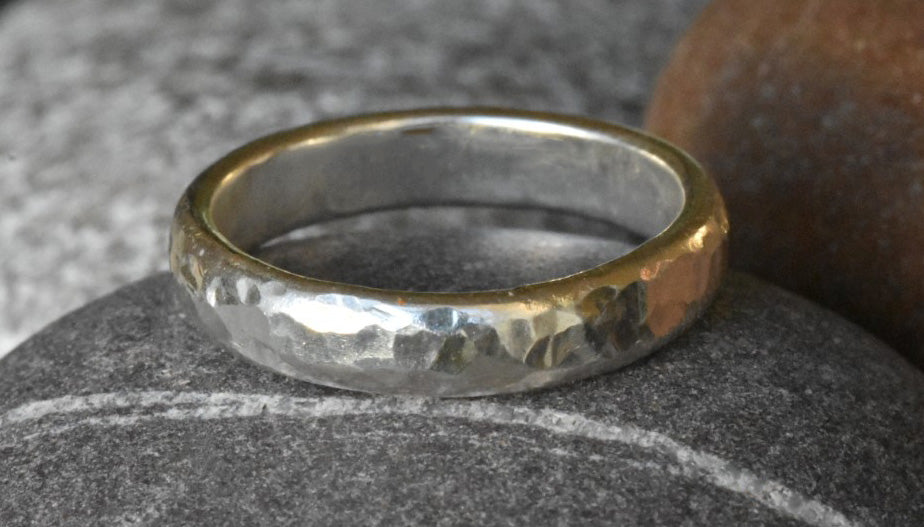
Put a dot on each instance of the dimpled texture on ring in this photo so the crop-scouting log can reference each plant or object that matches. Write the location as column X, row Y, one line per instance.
column 381, row 346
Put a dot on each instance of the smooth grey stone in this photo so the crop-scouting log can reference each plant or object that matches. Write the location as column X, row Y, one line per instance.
column 450, row 248
column 769, row 411
column 110, row 108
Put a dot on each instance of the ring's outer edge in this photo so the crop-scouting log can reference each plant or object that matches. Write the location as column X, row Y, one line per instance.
column 501, row 340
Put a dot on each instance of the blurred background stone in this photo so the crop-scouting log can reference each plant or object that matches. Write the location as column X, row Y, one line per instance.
column 811, row 117
column 110, row 108
column 769, row 411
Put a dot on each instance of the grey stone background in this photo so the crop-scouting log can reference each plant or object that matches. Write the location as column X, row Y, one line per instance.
column 109, row 108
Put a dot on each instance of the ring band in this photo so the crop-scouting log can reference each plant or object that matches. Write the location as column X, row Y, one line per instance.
column 441, row 343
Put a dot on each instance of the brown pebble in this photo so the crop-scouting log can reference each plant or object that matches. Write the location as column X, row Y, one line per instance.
column 810, row 114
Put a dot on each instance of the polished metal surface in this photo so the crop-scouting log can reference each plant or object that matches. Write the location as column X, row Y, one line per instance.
column 501, row 338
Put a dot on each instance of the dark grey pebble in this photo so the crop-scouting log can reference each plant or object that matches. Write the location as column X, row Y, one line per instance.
column 769, row 411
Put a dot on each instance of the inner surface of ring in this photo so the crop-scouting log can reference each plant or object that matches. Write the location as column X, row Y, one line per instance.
column 451, row 162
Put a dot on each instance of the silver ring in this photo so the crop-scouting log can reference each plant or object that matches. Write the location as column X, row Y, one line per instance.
column 438, row 343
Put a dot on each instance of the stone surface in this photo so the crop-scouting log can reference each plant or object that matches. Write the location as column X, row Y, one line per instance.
column 811, row 117
column 110, row 108
column 449, row 248
column 770, row 411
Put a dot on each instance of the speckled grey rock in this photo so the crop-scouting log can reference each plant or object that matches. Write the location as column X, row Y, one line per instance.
column 770, row 411
column 110, row 108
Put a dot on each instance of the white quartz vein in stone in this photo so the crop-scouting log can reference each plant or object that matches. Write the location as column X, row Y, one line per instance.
column 690, row 463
